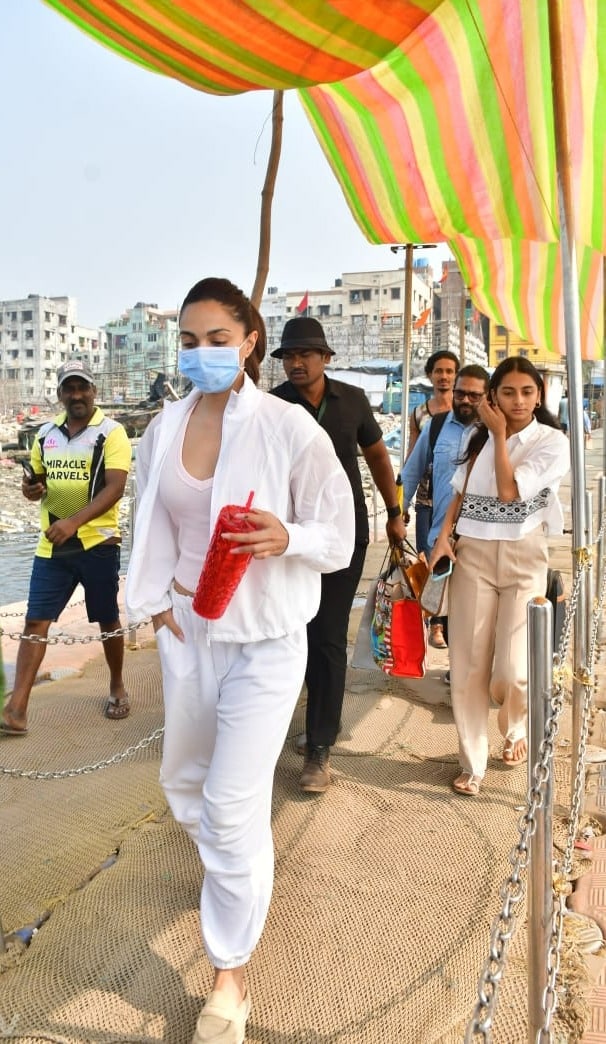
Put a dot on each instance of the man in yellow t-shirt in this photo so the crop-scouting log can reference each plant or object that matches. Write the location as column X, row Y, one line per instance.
column 80, row 462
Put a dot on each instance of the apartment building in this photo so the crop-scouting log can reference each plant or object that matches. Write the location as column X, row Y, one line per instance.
column 37, row 335
column 140, row 344
column 363, row 317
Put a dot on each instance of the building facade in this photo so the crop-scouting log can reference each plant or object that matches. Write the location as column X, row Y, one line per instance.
column 140, row 344
column 363, row 317
column 362, row 314
column 37, row 335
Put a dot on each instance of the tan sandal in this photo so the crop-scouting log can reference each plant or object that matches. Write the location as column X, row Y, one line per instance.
column 467, row 784
column 511, row 758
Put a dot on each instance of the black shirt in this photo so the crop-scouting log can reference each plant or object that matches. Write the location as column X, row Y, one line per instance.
column 346, row 416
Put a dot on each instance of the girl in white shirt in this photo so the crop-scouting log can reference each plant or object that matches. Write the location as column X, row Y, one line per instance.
column 513, row 464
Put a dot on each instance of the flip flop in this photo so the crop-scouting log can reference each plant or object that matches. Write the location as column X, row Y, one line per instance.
column 117, row 707
column 467, row 784
column 508, row 758
column 10, row 730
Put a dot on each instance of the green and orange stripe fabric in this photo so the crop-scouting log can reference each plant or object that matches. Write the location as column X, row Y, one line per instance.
column 230, row 46
column 451, row 138
column 436, row 117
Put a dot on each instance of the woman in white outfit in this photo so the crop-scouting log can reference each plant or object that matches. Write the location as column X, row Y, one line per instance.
column 513, row 464
column 231, row 684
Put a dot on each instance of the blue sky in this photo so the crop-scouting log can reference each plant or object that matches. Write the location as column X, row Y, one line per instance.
column 118, row 185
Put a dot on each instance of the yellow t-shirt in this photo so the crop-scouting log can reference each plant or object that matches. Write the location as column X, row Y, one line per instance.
column 75, row 472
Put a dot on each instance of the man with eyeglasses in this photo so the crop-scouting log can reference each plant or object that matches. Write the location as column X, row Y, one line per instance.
column 440, row 454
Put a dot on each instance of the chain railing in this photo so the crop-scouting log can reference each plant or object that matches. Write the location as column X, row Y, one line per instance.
column 563, row 869
column 84, row 770
column 480, row 1025
column 62, row 638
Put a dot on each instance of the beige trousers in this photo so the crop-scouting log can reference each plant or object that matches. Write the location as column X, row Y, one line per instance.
column 491, row 585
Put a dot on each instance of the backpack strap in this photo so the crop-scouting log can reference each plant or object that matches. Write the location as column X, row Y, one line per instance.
column 435, row 427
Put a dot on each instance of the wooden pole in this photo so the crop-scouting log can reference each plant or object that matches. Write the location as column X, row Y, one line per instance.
column 267, row 196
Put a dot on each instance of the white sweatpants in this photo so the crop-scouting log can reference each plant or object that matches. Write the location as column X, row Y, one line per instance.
column 489, row 590
column 227, row 711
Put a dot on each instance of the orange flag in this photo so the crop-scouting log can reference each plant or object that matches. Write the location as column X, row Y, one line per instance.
column 424, row 316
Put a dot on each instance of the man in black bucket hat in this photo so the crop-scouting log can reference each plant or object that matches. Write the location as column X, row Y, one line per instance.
column 345, row 413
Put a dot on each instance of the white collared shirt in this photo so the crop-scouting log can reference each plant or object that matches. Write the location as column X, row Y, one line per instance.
column 540, row 457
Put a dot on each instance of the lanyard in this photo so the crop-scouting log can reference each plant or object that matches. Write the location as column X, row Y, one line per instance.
column 321, row 409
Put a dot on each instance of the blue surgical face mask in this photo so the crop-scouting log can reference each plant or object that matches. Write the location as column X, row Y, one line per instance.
column 211, row 369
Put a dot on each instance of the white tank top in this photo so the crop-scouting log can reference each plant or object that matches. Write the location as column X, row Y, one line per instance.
column 187, row 501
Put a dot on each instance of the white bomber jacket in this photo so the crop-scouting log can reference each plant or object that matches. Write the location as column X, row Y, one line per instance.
column 280, row 453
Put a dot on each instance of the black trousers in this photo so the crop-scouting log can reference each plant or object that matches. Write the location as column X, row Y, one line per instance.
column 327, row 651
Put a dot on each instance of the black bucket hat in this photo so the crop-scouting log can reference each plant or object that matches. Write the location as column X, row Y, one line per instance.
column 302, row 332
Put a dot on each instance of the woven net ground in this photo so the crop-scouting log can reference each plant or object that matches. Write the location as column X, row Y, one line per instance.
column 385, row 887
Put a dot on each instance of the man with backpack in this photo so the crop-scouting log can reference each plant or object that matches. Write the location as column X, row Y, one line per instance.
column 437, row 451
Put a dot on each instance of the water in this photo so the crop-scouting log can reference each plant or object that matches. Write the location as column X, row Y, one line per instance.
column 16, row 555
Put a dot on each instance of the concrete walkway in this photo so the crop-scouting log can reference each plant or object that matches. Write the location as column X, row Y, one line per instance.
column 385, row 886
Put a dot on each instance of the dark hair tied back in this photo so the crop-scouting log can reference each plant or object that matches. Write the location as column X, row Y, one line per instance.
column 243, row 310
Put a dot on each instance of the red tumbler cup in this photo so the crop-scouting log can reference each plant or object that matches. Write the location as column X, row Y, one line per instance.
column 222, row 571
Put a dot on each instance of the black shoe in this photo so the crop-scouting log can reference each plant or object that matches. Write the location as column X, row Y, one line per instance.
column 315, row 777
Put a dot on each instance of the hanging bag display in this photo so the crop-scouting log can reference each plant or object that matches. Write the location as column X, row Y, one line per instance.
column 398, row 635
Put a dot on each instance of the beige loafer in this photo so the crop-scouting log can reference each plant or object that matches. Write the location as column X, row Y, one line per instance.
column 221, row 1021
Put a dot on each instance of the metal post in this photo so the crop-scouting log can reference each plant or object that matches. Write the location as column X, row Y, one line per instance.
column 462, row 323
column 540, row 894
column 132, row 513
column 406, row 352
column 603, row 417
column 591, row 592
column 574, row 370
column 374, row 512
column 601, row 557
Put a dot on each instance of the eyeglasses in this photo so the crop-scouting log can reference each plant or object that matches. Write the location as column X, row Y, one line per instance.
column 473, row 397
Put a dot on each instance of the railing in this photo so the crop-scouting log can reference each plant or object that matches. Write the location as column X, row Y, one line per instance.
column 533, row 850
column 531, row 853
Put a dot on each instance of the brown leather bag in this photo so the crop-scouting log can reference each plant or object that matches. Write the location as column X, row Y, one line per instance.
column 412, row 565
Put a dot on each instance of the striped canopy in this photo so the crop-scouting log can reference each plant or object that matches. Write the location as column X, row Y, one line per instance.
column 435, row 115
column 451, row 137
column 230, row 46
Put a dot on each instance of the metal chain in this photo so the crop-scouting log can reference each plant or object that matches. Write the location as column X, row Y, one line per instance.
column 84, row 769
column 563, row 869
column 512, row 891
column 71, row 639
column 585, row 676
column 72, row 605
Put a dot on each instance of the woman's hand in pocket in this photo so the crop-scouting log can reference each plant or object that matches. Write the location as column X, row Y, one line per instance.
column 166, row 619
